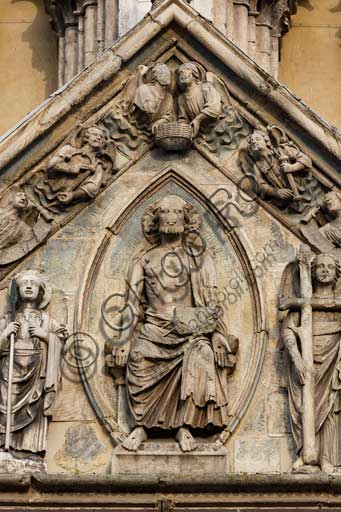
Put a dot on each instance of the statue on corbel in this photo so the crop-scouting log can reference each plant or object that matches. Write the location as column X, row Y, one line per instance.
column 310, row 314
column 180, row 107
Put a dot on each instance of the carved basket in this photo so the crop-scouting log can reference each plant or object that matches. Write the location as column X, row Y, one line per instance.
column 174, row 136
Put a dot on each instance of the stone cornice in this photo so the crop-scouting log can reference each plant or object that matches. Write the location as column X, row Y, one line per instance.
column 207, row 493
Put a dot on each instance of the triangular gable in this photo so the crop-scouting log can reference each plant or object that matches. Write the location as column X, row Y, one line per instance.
column 173, row 33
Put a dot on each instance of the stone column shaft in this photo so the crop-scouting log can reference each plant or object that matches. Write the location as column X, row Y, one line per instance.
column 241, row 25
column 70, row 52
column 263, row 45
column 90, row 32
column 111, row 22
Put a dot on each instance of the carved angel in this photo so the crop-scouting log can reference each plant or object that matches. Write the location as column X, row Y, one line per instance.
column 204, row 102
column 322, row 225
column 77, row 171
column 22, row 226
column 147, row 96
column 278, row 169
column 199, row 101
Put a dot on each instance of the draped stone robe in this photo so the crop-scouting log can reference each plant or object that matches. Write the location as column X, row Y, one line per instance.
column 203, row 99
column 172, row 379
column 35, row 381
column 327, row 353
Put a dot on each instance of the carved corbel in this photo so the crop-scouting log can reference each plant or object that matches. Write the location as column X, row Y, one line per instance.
column 272, row 23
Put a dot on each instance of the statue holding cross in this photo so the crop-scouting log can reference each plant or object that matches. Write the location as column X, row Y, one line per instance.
column 311, row 332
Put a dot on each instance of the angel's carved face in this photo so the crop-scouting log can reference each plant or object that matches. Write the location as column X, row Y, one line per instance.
column 94, row 137
column 161, row 74
column 325, row 269
column 257, row 143
column 20, row 201
column 332, row 202
column 29, row 288
column 186, row 75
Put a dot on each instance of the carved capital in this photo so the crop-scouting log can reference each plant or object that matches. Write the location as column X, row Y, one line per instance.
column 276, row 13
column 61, row 13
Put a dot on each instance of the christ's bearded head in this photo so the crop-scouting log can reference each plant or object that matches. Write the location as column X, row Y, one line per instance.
column 171, row 215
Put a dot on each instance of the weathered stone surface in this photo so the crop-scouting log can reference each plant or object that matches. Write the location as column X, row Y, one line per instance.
column 11, row 465
column 254, row 455
column 163, row 458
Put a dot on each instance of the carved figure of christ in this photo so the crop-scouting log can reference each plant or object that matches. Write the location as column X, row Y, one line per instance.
column 313, row 308
column 160, row 361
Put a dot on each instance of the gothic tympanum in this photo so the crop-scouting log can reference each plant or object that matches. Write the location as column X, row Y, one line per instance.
column 77, row 171
column 38, row 343
column 311, row 332
column 179, row 356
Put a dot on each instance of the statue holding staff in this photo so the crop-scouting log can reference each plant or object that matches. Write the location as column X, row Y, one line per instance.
column 35, row 376
column 311, row 331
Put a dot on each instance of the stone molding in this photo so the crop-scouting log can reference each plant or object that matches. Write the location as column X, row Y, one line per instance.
column 185, row 492
column 85, row 28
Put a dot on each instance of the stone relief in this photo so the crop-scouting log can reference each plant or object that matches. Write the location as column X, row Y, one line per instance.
column 276, row 169
column 148, row 99
column 310, row 308
column 173, row 340
column 322, row 225
column 77, row 171
column 31, row 344
column 22, row 226
column 178, row 108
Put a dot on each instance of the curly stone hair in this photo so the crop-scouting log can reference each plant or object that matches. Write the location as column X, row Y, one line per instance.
column 150, row 219
column 337, row 267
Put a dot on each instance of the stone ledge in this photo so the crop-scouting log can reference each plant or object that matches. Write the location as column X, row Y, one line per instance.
column 122, row 493
column 241, row 483
column 167, row 459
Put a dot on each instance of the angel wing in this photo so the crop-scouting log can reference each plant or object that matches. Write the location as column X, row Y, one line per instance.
column 131, row 86
column 221, row 87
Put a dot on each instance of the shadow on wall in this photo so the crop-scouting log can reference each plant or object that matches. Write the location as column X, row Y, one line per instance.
column 43, row 43
column 306, row 4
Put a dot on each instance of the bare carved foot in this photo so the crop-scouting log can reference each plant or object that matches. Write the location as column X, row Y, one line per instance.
column 135, row 439
column 185, row 440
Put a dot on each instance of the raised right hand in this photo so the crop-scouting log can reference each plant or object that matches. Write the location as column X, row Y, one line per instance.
column 12, row 328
